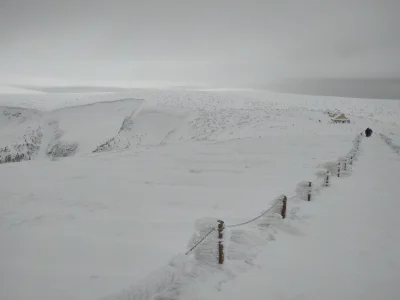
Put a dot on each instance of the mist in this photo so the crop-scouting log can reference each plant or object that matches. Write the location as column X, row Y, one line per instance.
column 224, row 43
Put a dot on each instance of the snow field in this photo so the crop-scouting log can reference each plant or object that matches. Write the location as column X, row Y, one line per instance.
column 370, row 109
column 91, row 225
column 200, row 272
column 132, row 123
column 190, row 180
column 345, row 245
column 15, row 122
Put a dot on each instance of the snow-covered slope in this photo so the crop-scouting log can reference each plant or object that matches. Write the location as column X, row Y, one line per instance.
column 343, row 245
column 379, row 109
column 86, row 126
column 170, row 115
column 117, row 222
column 14, row 122
column 29, row 134
column 20, row 134
column 147, row 127
column 384, row 110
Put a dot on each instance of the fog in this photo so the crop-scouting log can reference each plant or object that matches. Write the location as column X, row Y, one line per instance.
column 230, row 43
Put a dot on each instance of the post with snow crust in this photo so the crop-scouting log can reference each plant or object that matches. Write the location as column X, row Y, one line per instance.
column 327, row 178
column 309, row 192
column 220, row 242
column 284, row 204
column 338, row 169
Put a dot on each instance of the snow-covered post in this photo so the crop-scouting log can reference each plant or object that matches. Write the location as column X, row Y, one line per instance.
column 204, row 243
column 350, row 161
column 283, row 210
column 220, row 242
column 278, row 208
column 323, row 176
column 338, row 170
column 343, row 164
column 303, row 190
column 331, row 167
column 356, row 142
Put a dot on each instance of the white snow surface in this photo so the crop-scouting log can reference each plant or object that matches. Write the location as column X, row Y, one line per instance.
column 345, row 245
column 383, row 110
column 116, row 224
column 91, row 124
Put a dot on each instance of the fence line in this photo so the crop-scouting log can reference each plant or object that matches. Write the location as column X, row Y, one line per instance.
column 283, row 214
column 256, row 218
column 303, row 191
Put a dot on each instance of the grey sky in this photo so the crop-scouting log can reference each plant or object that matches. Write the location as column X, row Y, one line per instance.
column 232, row 42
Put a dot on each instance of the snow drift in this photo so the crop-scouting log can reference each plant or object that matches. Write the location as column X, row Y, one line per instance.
column 29, row 134
column 93, row 224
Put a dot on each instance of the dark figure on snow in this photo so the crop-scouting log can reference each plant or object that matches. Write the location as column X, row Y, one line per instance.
column 368, row 132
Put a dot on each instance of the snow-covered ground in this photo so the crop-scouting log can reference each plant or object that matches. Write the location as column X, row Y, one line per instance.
column 383, row 110
column 346, row 245
column 118, row 221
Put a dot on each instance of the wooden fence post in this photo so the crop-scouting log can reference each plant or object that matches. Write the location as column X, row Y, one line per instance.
column 338, row 170
column 284, row 204
column 309, row 191
column 345, row 165
column 327, row 179
column 220, row 243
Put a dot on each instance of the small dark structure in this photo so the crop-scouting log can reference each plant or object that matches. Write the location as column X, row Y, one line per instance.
column 368, row 132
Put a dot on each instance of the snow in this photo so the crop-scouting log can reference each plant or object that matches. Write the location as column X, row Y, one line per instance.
column 117, row 223
column 100, row 121
column 14, row 122
column 347, row 249
column 373, row 110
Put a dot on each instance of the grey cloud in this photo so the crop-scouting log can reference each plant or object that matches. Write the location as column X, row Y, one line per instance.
column 237, row 42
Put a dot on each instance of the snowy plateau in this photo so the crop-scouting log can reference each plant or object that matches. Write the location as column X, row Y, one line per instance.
column 102, row 195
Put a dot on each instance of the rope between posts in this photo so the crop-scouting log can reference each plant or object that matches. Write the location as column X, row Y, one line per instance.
column 256, row 218
column 198, row 243
column 236, row 225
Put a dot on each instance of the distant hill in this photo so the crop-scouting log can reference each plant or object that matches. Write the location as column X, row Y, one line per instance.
column 59, row 125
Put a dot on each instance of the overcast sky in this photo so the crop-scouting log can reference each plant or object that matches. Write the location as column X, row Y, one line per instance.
column 227, row 41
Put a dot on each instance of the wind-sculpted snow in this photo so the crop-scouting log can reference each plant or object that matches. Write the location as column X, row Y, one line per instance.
column 164, row 117
column 148, row 127
column 20, row 134
column 27, row 134
column 88, row 126
column 56, row 147
column 194, row 276
column 26, row 149
column 194, row 100
column 119, row 222
column 146, row 117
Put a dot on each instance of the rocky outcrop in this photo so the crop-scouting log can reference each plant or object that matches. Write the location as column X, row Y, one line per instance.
column 25, row 150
